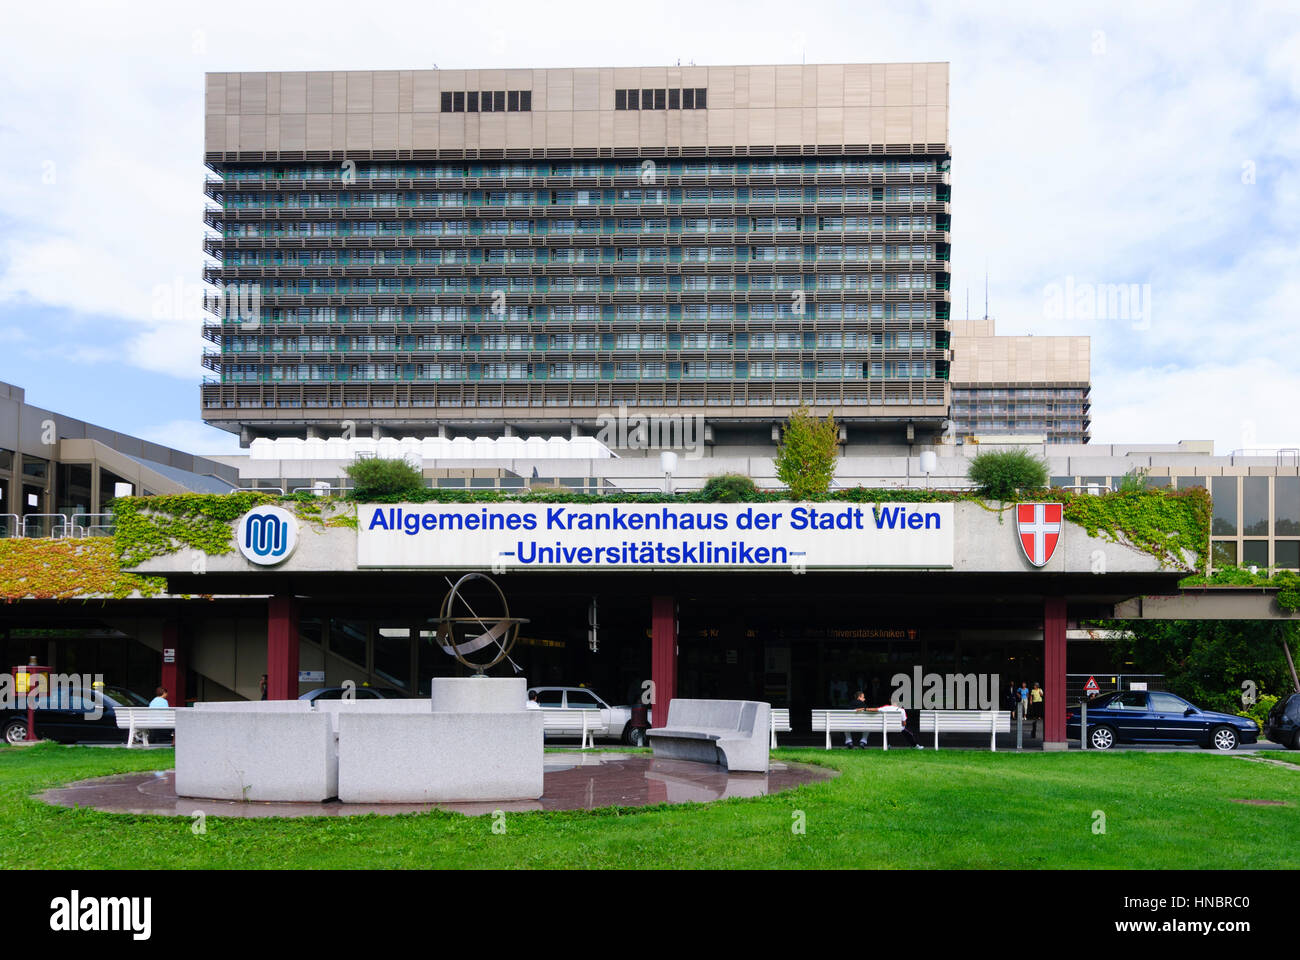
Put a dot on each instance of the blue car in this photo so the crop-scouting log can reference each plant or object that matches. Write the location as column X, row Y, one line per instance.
column 1283, row 724
column 1142, row 716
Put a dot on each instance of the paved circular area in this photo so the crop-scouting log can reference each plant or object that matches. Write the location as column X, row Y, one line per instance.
column 574, row 781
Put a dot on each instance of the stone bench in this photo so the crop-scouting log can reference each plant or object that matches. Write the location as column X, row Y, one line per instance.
column 472, row 739
column 733, row 733
column 258, row 750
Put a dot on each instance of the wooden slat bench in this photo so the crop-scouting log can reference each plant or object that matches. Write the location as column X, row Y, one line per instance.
column 144, row 719
column 865, row 721
column 570, row 723
column 991, row 722
column 780, row 723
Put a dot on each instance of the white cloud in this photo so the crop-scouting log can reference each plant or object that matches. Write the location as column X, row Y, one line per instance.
column 193, row 436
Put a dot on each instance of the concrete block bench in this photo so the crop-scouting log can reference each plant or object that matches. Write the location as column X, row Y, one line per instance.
column 733, row 733
column 270, row 750
column 472, row 740
column 991, row 722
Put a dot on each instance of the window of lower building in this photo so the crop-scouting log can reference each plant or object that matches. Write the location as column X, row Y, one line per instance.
column 1223, row 553
column 1224, row 493
column 1286, row 554
column 1286, row 506
column 1254, row 553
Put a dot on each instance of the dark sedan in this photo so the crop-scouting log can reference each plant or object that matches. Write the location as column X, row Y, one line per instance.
column 1141, row 716
column 1283, row 725
column 67, row 716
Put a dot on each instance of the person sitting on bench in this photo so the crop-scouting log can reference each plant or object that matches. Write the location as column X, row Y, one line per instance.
column 907, row 734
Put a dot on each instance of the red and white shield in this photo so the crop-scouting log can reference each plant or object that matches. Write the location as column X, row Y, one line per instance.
column 1039, row 526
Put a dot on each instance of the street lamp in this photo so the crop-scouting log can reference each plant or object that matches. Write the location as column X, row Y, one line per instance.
column 668, row 463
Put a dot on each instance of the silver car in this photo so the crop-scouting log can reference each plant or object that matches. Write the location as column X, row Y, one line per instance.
column 617, row 719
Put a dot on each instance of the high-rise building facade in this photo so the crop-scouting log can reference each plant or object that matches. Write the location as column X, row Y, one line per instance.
column 1020, row 386
column 490, row 252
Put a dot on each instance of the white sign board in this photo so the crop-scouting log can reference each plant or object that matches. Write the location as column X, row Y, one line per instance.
column 673, row 536
column 311, row 676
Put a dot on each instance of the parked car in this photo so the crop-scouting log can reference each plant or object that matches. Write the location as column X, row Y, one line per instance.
column 1155, row 716
column 67, row 717
column 625, row 723
column 1283, row 723
column 362, row 693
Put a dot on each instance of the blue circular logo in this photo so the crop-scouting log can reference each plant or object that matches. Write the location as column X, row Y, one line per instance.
column 267, row 535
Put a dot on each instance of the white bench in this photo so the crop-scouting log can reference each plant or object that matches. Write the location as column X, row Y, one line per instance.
column 780, row 723
column 991, row 722
column 733, row 733
column 866, row 721
column 144, row 719
column 559, row 721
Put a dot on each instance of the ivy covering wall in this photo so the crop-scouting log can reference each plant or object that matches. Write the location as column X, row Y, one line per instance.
column 68, row 570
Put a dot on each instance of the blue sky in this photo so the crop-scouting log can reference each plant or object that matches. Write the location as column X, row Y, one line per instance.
column 1109, row 143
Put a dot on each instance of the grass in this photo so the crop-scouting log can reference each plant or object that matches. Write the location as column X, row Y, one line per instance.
column 901, row 809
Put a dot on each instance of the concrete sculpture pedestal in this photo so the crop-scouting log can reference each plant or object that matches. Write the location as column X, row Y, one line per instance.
column 479, row 742
column 473, row 740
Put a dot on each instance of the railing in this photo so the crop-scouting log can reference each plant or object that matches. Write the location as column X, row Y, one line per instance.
column 1284, row 456
column 323, row 489
column 11, row 525
column 93, row 525
column 47, row 525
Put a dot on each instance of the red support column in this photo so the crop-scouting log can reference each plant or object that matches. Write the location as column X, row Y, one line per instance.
column 1054, row 673
column 173, row 672
column 282, row 648
column 663, row 656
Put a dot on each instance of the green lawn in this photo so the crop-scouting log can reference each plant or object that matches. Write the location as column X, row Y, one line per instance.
column 903, row 808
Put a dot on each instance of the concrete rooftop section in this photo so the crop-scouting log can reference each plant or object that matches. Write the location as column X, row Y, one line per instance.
column 846, row 106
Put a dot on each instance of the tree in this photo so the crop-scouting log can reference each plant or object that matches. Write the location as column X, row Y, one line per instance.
column 375, row 477
column 805, row 460
column 1208, row 661
column 1000, row 474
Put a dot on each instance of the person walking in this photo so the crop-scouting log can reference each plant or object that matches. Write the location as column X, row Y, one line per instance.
column 1024, row 700
column 263, row 685
column 1035, row 708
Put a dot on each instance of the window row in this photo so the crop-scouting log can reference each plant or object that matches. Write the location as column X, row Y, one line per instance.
column 565, row 370
column 486, row 101
column 654, row 196
column 365, row 170
column 579, row 341
column 597, row 312
column 661, row 98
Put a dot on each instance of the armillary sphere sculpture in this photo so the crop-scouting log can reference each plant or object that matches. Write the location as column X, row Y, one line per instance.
column 463, row 631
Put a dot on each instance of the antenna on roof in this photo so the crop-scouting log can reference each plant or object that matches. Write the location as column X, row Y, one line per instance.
column 986, row 290
column 968, row 304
